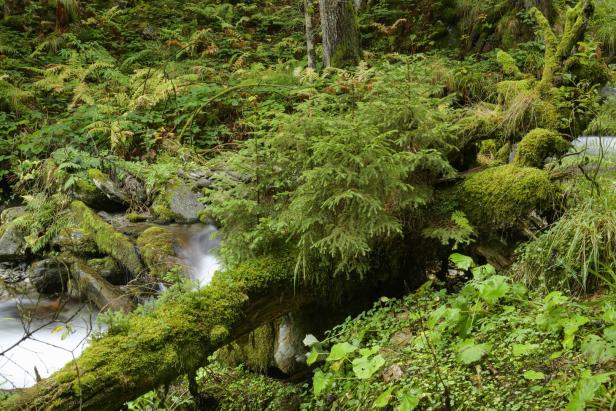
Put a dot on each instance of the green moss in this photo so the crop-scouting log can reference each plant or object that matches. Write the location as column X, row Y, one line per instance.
column 137, row 218
column 157, row 247
column 501, row 197
column 538, row 145
column 86, row 191
column 508, row 64
column 107, row 239
column 508, row 90
column 161, row 207
column 218, row 334
column 96, row 174
column 255, row 350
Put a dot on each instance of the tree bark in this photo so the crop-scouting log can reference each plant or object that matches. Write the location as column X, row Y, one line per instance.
column 308, row 13
column 340, row 33
column 174, row 339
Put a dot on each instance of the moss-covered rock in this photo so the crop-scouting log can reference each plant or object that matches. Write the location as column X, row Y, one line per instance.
column 158, row 247
column 75, row 240
column 538, row 145
column 177, row 202
column 13, row 246
column 501, row 197
column 107, row 239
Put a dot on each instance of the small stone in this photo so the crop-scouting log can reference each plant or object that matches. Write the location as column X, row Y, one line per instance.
column 393, row 373
column 402, row 337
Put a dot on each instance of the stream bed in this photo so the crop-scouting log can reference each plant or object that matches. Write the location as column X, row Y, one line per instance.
column 61, row 331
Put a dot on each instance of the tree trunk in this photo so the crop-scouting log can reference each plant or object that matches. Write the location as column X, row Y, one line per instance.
column 340, row 33
column 174, row 339
column 308, row 12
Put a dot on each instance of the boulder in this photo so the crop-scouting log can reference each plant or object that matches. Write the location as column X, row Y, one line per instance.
column 12, row 244
column 177, row 203
column 49, row 276
column 108, row 187
column 158, row 247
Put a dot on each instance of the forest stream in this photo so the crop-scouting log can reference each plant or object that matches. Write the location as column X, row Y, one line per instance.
column 61, row 329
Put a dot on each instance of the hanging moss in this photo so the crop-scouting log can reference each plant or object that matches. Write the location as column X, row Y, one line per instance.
column 256, row 350
column 538, row 145
column 107, row 239
column 501, row 197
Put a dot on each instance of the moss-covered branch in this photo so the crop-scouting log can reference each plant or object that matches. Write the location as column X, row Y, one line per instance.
column 556, row 51
column 174, row 339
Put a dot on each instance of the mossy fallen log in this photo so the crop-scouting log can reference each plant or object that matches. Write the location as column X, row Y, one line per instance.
column 107, row 239
column 175, row 338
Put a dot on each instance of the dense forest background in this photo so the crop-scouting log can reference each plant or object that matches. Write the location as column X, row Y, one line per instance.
column 414, row 201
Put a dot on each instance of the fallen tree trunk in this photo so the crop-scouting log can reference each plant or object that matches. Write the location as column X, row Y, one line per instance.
column 174, row 339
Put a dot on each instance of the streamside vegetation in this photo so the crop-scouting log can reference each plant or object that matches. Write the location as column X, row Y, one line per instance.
column 414, row 201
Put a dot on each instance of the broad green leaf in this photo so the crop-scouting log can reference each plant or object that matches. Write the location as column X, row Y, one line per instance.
column 460, row 261
column 312, row 358
column 534, row 375
column 609, row 333
column 365, row 368
column 586, row 390
column 597, row 350
column 469, row 352
column 493, row 289
column 409, row 400
column 340, row 351
column 320, row 381
column 570, row 328
column 383, row 399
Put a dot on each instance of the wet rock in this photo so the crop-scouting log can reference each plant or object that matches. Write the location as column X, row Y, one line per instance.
column 177, row 203
column 108, row 187
column 74, row 240
column 117, row 220
column 12, row 244
column 110, row 270
column 49, row 276
column 98, row 290
column 289, row 349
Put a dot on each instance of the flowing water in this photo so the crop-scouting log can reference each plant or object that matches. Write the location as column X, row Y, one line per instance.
column 49, row 347
column 594, row 145
column 201, row 255
column 52, row 345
